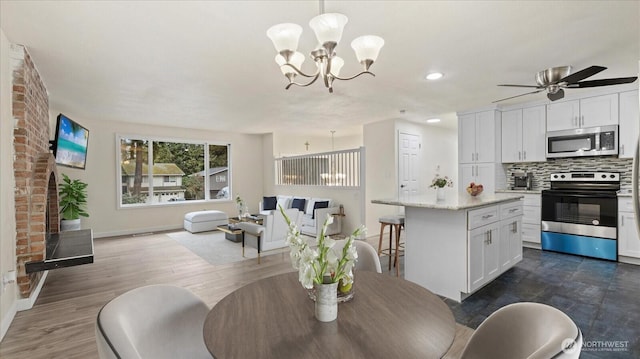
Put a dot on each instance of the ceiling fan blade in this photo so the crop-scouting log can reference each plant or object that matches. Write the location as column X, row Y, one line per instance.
column 532, row 86
column 605, row 82
column 582, row 74
column 509, row 98
column 556, row 96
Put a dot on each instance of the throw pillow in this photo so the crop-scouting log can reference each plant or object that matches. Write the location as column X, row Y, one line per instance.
column 298, row 203
column 316, row 205
column 269, row 203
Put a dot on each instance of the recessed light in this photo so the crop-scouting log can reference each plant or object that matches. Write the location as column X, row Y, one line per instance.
column 433, row 120
column 434, row 76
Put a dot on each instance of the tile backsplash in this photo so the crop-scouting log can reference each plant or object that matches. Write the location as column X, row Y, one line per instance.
column 542, row 170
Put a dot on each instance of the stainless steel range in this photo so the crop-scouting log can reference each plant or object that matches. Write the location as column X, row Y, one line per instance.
column 580, row 214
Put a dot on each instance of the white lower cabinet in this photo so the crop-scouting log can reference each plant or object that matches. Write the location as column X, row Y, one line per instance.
column 531, row 219
column 628, row 240
column 510, row 242
column 494, row 242
column 483, row 255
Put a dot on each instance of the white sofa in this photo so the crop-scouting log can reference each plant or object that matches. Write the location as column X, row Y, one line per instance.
column 312, row 223
column 271, row 234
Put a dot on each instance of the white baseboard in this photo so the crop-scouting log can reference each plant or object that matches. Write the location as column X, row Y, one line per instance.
column 27, row 303
column 7, row 319
column 135, row 231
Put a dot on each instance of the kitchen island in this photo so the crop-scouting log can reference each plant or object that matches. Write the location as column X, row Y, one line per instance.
column 456, row 246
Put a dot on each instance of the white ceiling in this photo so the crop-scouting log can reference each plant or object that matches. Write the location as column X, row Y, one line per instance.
column 209, row 64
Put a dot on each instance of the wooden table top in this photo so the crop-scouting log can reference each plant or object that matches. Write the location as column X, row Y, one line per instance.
column 274, row 318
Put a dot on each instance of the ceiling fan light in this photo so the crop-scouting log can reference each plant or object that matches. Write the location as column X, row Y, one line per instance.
column 285, row 36
column 367, row 47
column 328, row 27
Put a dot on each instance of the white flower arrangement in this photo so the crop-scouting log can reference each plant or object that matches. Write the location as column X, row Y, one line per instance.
column 321, row 265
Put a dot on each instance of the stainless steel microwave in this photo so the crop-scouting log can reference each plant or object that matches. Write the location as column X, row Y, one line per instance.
column 593, row 141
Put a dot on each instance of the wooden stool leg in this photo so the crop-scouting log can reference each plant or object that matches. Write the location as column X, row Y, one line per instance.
column 390, row 244
column 398, row 228
column 380, row 241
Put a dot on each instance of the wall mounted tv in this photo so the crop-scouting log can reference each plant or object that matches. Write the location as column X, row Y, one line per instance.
column 70, row 144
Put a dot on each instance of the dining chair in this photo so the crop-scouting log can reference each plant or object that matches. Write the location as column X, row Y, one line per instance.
column 156, row 321
column 368, row 259
column 525, row 330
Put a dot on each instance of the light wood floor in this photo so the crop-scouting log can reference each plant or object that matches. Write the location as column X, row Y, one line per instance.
column 61, row 323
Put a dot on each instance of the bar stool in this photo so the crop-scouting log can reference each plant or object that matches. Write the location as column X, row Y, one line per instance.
column 394, row 222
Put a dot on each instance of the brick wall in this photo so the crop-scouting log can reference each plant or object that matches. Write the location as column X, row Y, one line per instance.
column 34, row 167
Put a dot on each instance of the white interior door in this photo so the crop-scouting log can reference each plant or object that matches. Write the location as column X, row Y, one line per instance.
column 408, row 165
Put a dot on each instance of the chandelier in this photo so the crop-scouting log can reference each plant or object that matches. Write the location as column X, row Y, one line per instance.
column 328, row 29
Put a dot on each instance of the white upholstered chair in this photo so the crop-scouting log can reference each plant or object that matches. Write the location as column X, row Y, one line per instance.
column 156, row 321
column 368, row 259
column 525, row 330
column 272, row 233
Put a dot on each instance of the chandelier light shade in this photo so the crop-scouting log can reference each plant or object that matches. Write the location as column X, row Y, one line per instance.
column 328, row 29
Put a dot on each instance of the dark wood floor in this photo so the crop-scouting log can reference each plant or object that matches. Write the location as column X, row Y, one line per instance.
column 62, row 321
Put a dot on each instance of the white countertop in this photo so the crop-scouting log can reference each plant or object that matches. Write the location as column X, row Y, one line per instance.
column 524, row 191
column 452, row 202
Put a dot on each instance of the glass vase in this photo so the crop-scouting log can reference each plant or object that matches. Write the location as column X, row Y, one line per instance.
column 326, row 305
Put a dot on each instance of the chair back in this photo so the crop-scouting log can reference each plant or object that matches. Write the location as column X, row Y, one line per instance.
column 157, row 321
column 368, row 259
column 525, row 330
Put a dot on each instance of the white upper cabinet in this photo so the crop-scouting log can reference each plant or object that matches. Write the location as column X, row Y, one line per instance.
column 512, row 136
column 467, row 138
column 523, row 135
column 586, row 112
column 629, row 120
column 478, row 138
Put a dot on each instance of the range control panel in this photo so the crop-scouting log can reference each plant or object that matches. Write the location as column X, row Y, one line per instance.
column 585, row 177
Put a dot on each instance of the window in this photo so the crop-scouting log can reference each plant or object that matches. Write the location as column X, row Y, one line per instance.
column 154, row 172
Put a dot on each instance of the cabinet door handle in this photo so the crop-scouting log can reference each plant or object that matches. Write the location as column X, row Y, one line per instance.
column 582, row 120
column 515, row 227
column 622, row 149
column 487, row 216
column 519, row 155
column 524, row 155
column 622, row 221
column 513, row 210
column 490, row 239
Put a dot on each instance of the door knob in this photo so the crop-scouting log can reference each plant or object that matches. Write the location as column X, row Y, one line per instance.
column 402, row 186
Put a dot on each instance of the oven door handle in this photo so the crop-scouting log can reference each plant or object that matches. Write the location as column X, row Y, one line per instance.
column 579, row 195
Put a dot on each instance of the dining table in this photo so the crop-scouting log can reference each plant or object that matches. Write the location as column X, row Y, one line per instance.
column 387, row 317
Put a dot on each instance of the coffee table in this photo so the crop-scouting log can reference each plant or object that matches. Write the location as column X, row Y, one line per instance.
column 253, row 219
column 231, row 233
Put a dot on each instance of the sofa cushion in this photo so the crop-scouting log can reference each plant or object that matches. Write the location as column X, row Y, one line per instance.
column 309, row 207
column 319, row 204
column 269, row 203
column 283, row 201
column 298, row 203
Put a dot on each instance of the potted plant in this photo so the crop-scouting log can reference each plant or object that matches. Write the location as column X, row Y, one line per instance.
column 73, row 202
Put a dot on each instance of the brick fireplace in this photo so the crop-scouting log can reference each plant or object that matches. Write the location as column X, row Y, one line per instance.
column 36, row 189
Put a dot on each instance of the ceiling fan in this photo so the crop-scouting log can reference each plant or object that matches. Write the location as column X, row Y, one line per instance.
column 555, row 79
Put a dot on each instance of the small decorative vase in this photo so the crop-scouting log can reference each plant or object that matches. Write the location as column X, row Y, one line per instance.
column 440, row 194
column 326, row 302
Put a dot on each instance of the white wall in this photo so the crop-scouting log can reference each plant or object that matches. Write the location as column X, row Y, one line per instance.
column 381, row 170
column 289, row 144
column 100, row 174
column 8, row 297
column 439, row 148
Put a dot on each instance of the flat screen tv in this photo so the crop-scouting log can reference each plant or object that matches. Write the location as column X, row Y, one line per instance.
column 70, row 144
